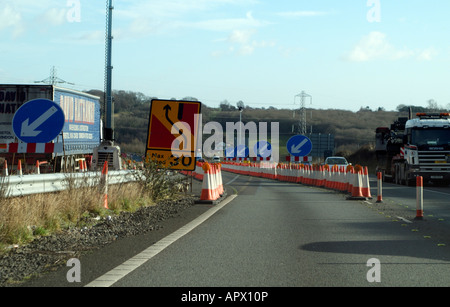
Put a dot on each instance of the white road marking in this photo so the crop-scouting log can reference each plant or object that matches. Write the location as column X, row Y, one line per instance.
column 232, row 180
column 404, row 220
column 133, row 263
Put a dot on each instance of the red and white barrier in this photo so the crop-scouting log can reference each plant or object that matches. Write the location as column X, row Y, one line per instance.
column 352, row 180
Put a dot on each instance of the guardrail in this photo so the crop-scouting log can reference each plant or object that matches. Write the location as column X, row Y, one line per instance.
column 14, row 186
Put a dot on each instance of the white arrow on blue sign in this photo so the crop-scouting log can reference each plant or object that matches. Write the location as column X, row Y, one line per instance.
column 299, row 146
column 38, row 121
column 263, row 149
column 242, row 151
column 230, row 152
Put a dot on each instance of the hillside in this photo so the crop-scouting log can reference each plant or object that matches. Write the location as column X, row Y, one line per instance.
column 352, row 130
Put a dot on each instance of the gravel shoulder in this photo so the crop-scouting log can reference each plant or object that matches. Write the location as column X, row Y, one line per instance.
column 43, row 262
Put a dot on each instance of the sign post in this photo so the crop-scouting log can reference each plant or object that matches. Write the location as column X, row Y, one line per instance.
column 172, row 133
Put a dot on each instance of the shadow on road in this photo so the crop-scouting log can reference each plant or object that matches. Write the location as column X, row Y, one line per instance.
column 403, row 248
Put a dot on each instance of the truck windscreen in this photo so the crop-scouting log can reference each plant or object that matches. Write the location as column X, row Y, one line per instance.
column 430, row 136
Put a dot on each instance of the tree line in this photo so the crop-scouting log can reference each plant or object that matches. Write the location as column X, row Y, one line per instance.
column 351, row 129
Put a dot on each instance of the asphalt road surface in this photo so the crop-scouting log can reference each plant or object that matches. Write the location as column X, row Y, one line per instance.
column 275, row 234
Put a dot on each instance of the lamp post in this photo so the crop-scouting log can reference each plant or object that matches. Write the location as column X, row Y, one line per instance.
column 240, row 106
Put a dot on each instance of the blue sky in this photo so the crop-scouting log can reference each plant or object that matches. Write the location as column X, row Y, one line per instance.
column 263, row 52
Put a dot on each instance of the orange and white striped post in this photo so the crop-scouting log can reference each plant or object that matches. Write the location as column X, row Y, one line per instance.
column 104, row 184
column 19, row 168
column 5, row 169
column 419, row 198
column 379, row 187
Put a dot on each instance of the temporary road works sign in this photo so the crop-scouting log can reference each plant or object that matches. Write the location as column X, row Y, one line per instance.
column 172, row 133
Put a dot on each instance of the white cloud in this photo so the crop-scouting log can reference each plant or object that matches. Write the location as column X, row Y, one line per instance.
column 160, row 16
column 10, row 18
column 296, row 14
column 53, row 16
column 375, row 46
column 427, row 54
column 242, row 42
column 241, row 36
column 228, row 24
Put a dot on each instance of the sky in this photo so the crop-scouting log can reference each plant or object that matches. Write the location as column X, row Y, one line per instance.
column 345, row 54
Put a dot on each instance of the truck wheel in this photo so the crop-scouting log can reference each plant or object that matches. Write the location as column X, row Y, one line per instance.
column 403, row 179
column 59, row 164
column 396, row 175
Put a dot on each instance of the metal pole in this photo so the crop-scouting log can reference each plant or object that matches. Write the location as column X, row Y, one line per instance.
column 109, row 106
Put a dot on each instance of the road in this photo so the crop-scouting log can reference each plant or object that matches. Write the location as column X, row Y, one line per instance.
column 269, row 234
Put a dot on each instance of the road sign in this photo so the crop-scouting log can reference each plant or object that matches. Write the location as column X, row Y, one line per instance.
column 230, row 152
column 263, row 149
column 38, row 121
column 242, row 151
column 299, row 146
column 172, row 133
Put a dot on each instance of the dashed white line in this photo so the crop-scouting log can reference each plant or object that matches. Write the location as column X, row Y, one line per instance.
column 404, row 220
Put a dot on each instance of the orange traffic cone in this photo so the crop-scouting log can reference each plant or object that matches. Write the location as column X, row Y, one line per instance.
column 209, row 191
column 366, row 184
column 357, row 193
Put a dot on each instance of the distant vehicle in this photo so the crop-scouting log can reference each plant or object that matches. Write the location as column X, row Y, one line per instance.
column 216, row 159
column 339, row 161
column 80, row 136
column 199, row 159
column 413, row 147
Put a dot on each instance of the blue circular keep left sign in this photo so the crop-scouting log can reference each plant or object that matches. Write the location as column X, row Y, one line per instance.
column 299, row 146
column 38, row 121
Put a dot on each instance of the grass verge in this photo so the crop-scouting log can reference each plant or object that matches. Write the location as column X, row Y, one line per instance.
column 24, row 218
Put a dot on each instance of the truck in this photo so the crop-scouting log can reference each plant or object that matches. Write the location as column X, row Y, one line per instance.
column 81, row 134
column 414, row 147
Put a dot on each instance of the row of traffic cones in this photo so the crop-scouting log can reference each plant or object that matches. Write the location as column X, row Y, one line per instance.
column 352, row 180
